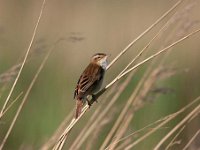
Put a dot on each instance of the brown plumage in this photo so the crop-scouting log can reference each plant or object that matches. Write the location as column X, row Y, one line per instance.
column 90, row 81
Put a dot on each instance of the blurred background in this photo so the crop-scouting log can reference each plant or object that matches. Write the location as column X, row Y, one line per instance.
column 76, row 30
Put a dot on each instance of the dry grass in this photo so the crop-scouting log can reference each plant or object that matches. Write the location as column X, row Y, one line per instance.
column 124, row 72
column 119, row 136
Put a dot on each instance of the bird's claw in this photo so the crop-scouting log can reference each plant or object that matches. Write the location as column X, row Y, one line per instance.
column 89, row 103
column 94, row 98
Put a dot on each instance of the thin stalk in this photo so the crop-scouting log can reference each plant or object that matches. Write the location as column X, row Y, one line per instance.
column 145, row 32
column 11, row 104
column 172, row 141
column 24, row 100
column 177, row 127
column 153, row 56
column 25, row 58
column 191, row 140
column 169, row 118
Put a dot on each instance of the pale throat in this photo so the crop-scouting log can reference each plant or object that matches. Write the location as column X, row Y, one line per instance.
column 103, row 63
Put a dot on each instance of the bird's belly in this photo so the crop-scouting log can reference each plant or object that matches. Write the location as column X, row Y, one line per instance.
column 97, row 87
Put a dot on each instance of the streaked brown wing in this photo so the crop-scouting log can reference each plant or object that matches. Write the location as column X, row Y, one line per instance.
column 87, row 79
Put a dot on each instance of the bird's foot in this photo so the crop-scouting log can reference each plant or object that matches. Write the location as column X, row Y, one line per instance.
column 89, row 103
column 94, row 98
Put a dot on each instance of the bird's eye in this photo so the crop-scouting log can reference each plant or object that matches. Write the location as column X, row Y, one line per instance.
column 97, row 57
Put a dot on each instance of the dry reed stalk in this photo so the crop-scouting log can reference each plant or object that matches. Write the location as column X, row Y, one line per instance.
column 24, row 60
column 24, row 100
column 154, row 55
column 179, row 132
column 148, row 44
column 191, row 140
column 177, row 127
column 175, row 137
column 145, row 32
column 168, row 118
column 194, row 116
column 124, row 144
column 11, row 104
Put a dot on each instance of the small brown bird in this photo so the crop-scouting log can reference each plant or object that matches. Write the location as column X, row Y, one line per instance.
column 90, row 80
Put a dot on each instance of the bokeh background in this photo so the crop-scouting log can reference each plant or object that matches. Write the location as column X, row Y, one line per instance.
column 82, row 29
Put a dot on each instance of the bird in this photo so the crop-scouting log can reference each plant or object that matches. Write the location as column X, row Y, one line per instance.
column 90, row 81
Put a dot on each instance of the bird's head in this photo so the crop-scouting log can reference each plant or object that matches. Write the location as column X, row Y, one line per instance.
column 100, row 59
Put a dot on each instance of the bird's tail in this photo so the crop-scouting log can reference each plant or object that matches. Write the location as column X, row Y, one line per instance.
column 79, row 105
